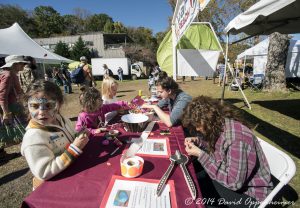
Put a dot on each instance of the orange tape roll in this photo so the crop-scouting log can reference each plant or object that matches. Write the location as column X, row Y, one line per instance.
column 132, row 167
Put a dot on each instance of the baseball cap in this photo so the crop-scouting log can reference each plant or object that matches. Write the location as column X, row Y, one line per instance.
column 83, row 58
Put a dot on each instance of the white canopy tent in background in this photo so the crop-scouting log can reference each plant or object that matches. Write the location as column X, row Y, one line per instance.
column 264, row 18
column 14, row 40
column 259, row 54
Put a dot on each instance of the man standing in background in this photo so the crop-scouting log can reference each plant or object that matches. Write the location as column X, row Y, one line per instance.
column 120, row 74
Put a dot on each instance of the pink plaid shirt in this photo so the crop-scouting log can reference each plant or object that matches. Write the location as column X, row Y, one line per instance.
column 238, row 162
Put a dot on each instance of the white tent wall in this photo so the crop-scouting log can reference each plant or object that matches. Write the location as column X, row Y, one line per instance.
column 191, row 62
column 14, row 40
column 259, row 55
column 259, row 64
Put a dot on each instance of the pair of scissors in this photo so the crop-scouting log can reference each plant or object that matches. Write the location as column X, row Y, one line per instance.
column 181, row 160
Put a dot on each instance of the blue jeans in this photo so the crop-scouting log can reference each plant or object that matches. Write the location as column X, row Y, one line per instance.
column 120, row 77
column 67, row 86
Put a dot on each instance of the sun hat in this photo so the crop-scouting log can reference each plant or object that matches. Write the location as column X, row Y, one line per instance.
column 83, row 58
column 12, row 59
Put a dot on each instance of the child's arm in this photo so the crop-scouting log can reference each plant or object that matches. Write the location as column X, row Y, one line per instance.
column 43, row 163
column 82, row 124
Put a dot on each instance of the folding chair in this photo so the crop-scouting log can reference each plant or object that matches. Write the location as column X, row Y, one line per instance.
column 257, row 82
column 282, row 168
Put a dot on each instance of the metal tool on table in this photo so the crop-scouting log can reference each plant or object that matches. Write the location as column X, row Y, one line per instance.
column 181, row 160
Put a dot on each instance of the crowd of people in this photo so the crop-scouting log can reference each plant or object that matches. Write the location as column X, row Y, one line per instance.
column 231, row 159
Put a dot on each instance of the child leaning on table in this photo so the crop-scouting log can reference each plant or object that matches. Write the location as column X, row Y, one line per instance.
column 49, row 144
column 94, row 114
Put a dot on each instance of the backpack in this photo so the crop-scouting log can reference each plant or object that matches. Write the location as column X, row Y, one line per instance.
column 77, row 75
column 110, row 73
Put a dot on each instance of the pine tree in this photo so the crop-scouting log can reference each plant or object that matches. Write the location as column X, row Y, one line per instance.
column 62, row 49
column 80, row 49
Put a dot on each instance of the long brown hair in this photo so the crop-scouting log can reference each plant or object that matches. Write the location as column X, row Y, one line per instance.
column 209, row 114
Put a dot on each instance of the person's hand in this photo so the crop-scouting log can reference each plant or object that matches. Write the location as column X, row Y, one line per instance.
column 81, row 141
column 194, row 140
column 99, row 130
column 94, row 84
column 192, row 149
column 145, row 105
column 7, row 118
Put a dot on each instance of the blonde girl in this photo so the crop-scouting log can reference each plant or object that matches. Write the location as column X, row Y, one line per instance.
column 109, row 90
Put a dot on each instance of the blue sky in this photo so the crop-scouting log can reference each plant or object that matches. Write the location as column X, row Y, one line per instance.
column 152, row 14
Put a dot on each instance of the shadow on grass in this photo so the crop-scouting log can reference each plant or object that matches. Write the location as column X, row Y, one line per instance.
column 74, row 118
column 12, row 176
column 118, row 96
column 289, row 142
column 126, row 91
column 286, row 107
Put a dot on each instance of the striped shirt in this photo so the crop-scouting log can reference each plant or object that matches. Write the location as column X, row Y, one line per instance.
column 238, row 162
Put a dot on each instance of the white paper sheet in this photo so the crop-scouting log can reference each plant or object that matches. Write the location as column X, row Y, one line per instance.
column 137, row 194
column 152, row 146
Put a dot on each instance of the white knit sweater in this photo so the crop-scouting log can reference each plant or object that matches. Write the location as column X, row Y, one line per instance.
column 48, row 150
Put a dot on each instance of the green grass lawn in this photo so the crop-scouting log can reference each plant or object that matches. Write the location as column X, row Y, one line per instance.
column 276, row 117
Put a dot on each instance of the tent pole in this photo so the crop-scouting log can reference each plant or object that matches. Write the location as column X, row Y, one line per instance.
column 244, row 66
column 44, row 69
column 174, row 53
column 231, row 71
column 224, row 76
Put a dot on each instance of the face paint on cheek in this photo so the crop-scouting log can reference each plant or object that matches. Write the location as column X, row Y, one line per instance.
column 34, row 114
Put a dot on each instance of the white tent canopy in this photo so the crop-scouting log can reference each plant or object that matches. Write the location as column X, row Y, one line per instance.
column 266, row 17
column 259, row 54
column 14, row 40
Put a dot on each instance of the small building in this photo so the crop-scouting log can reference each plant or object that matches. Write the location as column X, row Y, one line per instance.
column 102, row 45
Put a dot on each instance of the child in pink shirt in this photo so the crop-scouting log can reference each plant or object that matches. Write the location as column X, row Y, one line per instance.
column 93, row 112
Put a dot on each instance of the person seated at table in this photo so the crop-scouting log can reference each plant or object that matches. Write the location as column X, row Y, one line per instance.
column 233, row 162
column 49, row 144
column 94, row 114
column 173, row 97
column 109, row 90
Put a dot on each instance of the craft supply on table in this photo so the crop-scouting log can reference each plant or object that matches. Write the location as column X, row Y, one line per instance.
column 131, row 167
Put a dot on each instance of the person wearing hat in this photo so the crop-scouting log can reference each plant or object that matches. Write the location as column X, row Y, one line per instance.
column 87, row 72
column 12, row 122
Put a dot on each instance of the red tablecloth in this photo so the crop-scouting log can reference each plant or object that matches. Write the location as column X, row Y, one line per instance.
column 84, row 183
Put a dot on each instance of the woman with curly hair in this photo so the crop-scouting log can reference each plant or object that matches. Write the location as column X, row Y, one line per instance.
column 230, row 154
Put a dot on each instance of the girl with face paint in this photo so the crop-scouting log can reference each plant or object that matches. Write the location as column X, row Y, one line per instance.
column 49, row 144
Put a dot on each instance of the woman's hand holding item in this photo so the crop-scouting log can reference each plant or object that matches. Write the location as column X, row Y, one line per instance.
column 191, row 148
column 81, row 141
column 145, row 105
column 194, row 140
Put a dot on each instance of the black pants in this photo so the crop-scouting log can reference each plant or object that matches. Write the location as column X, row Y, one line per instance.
column 216, row 195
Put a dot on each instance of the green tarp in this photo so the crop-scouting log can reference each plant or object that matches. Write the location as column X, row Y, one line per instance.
column 197, row 36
